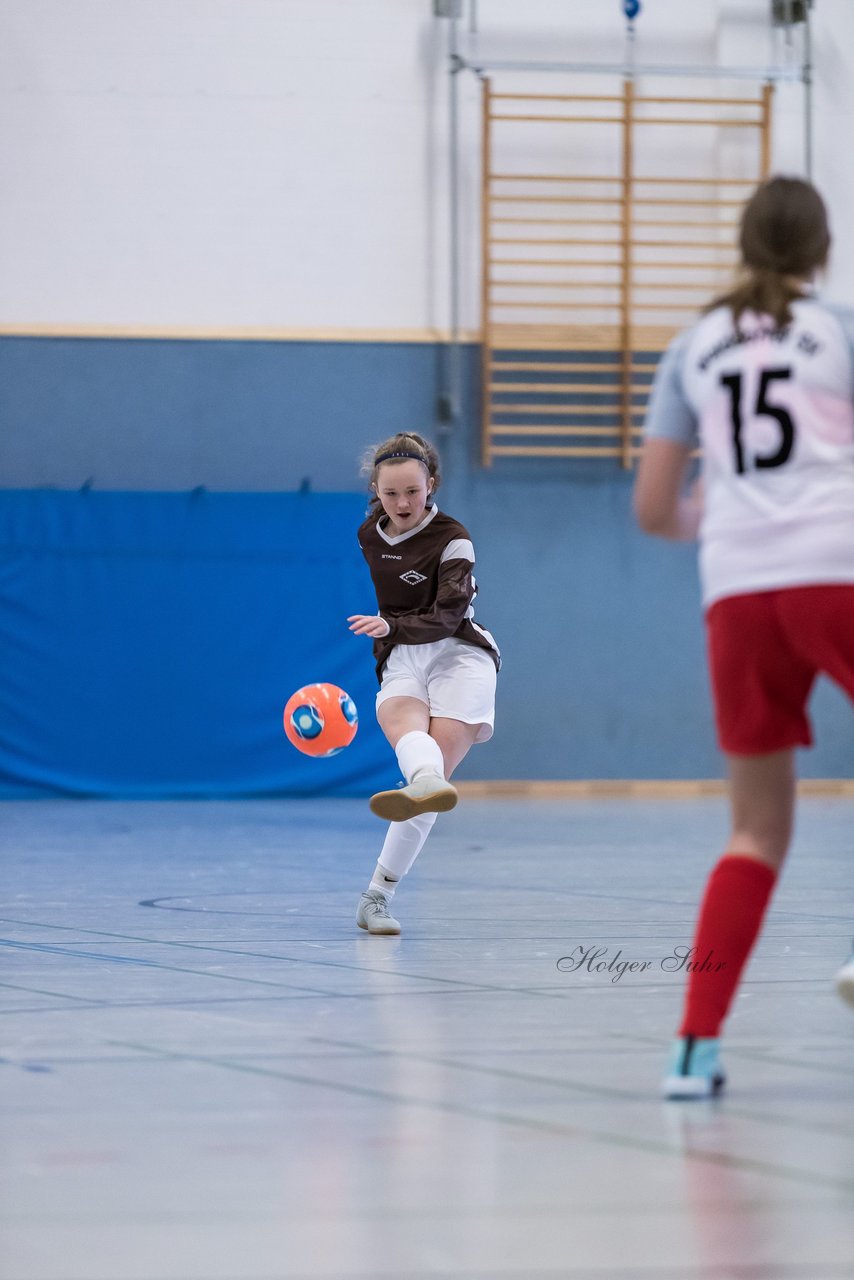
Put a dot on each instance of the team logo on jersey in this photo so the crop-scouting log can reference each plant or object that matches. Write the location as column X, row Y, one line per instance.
column 413, row 578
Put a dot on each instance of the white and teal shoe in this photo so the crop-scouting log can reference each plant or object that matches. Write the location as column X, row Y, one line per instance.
column 694, row 1069
column 845, row 981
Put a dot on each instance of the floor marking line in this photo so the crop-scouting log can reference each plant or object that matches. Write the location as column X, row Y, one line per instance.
column 528, row 1077
column 507, row 1118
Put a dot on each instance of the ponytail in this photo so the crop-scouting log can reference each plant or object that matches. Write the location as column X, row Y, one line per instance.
column 784, row 238
column 764, row 292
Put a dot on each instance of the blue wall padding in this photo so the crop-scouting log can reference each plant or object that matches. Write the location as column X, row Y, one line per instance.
column 149, row 642
column 600, row 626
column 166, row 415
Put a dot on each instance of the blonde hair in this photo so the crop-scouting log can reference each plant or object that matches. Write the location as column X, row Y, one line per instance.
column 405, row 445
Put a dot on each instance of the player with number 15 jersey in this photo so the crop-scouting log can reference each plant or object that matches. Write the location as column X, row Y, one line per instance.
column 764, row 384
column 773, row 412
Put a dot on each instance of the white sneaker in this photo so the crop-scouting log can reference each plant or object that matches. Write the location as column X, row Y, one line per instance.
column 374, row 915
column 428, row 793
column 845, row 981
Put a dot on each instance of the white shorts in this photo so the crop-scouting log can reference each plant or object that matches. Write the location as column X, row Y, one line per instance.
column 455, row 679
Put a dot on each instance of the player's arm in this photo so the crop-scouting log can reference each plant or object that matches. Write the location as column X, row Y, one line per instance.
column 845, row 318
column 661, row 505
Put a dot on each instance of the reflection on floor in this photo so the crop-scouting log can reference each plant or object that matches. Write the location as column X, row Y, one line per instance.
column 210, row 1074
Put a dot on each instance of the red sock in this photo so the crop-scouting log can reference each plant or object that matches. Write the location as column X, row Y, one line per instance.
column 731, row 915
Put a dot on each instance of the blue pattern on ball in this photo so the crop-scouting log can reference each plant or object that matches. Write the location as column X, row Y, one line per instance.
column 348, row 709
column 307, row 721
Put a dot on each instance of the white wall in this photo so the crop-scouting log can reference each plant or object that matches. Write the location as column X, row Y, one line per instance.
column 283, row 163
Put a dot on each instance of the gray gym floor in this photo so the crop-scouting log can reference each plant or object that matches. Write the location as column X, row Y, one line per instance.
column 210, row 1074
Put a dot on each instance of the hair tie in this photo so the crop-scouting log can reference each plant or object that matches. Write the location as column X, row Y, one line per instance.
column 385, row 457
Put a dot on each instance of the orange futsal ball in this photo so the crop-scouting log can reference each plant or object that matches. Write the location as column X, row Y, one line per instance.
column 321, row 719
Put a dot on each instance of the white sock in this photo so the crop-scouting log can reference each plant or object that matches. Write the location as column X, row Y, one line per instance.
column 403, row 843
column 418, row 753
column 385, row 884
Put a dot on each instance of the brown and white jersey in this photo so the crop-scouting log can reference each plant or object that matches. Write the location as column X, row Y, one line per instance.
column 424, row 584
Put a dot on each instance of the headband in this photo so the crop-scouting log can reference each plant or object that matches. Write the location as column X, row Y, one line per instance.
column 385, row 457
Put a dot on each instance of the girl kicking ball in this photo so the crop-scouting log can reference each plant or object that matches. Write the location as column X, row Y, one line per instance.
column 436, row 667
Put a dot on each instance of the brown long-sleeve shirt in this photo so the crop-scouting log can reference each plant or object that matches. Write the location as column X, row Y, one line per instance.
column 424, row 584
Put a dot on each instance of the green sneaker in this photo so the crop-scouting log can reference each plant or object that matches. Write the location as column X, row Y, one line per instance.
column 373, row 914
column 694, row 1070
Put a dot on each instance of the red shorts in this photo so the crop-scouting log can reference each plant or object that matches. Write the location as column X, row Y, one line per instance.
column 765, row 651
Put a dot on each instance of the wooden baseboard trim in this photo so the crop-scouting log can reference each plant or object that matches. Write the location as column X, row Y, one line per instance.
column 503, row 338
column 653, row 789
column 247, row 333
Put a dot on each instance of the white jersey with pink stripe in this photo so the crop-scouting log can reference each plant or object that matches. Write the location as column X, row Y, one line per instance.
column 773, row 412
